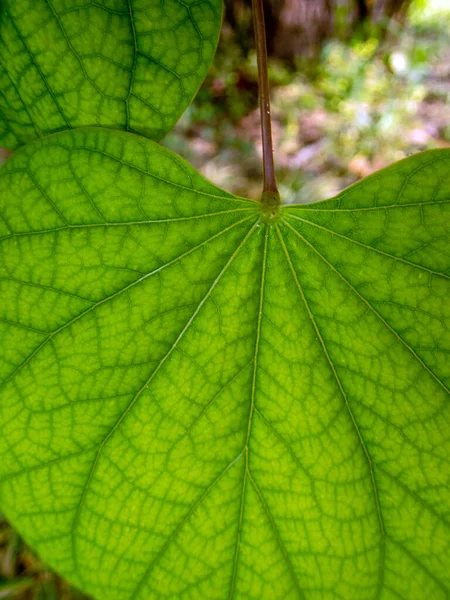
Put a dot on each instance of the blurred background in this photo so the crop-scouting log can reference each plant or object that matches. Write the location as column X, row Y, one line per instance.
column 356, row 86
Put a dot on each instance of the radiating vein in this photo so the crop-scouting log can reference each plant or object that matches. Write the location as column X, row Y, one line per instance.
column 180, row 525
column 114, row 295
column 372, row 308
column 285, row 443
column 371, row 248
column 22, row 326
column 88, row 226
column 416, row 497
column 227, row 197
column 420, row 564
column 205, row 410
column 48, row 288
column 348, row 407
column 49, row 463
column 147, row 383
column 278, row 537
column 316, row 207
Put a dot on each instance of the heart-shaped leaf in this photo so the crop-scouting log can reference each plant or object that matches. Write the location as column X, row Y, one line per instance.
column 129, row 64
column 200, row 401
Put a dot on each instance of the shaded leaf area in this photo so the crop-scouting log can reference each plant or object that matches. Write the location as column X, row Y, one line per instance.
column 128, row 64
column 195, row 404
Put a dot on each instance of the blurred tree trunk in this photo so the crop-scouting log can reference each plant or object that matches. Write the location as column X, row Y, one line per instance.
column 363, row 10
column 299, row 27
column 389, row 8
column 302, row 26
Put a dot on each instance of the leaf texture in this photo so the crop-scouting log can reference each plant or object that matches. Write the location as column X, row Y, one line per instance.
column 125, row 64
column 197, row 404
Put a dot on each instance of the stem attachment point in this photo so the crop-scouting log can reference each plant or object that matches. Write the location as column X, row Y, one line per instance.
column 270, row 204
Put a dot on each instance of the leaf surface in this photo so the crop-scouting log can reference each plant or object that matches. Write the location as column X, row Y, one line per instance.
column 126, row 64
column 197, row 404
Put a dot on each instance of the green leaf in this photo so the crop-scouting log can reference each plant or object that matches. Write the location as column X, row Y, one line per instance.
column 128, row 64
column 199, row 403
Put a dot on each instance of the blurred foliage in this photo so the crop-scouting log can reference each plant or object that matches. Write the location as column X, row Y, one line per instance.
column 23, row 576
column 360, row 105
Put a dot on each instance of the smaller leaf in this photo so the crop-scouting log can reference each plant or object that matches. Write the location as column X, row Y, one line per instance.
column 126, row 64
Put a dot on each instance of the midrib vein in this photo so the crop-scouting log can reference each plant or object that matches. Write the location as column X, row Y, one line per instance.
column 247, row 473
column 249, row 422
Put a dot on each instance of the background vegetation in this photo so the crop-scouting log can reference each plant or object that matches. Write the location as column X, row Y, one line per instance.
column 365, row 84
column 372, row 93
